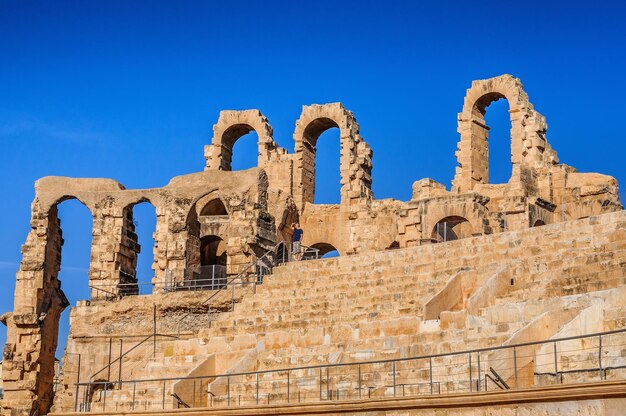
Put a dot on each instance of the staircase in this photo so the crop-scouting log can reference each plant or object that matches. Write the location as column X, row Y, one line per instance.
column 481, row 292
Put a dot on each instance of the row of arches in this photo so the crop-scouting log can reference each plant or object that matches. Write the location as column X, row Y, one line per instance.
column 482, row 159
column 341, row 147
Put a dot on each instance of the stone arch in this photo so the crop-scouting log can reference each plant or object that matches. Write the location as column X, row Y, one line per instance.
column 470, row 210
column 208, row 216
column 355, row 159
column 130, row 248
column 230, row 127
column 451, row 228
column 324, row 248
column 528, row 132
column 214, row 207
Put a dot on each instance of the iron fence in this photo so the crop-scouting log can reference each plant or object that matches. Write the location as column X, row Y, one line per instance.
column 586, row 358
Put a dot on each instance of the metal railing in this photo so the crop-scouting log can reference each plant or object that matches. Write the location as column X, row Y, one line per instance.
column 586, row 358
column 209, row 277
column 225, row 296
column 284, row 254
column 134, row 357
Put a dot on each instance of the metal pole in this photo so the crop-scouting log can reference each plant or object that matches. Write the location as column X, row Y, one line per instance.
column 76, row 400
column 119, row 372
column 327, row 383
column 320, row 383
column 479, row 376
column 393, row 368
column 163, row 403
column 228, row 387
column 600, row 355
column 515, row 364
column 430, row 361
column 470, row 370
column 78, row 376
column 109, row 366
column 200, row 392
column 556, row 369
column 104, row 404
column 154, row 319
column 134, row 389
column 359, row 381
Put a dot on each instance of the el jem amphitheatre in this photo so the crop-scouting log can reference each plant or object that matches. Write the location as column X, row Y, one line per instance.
column 480, row 299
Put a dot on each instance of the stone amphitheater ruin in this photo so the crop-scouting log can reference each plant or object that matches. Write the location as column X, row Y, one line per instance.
column 484, row 299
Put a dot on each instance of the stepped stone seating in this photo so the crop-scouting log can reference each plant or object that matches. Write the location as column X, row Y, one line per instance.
column 481, row 292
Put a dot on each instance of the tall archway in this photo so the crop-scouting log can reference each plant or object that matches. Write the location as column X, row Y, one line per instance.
column 327, row 168
column 528, row 132
column 137, row 267
column 208, row 233
column 497, row 121
column 213, row 262
column 33, row 328
column 450, row 229
column 355, row 158
column 75, row 224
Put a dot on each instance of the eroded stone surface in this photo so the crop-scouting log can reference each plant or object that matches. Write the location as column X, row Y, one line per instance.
column 251, row 211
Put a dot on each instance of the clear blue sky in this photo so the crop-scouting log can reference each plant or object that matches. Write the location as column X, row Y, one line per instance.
column 130, row 90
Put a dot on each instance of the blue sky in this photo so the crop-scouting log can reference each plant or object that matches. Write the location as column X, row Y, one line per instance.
column 130, row 90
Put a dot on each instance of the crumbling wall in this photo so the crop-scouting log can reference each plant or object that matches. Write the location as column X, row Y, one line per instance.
column 355, row 161
column 230, row 127
column 262, row 202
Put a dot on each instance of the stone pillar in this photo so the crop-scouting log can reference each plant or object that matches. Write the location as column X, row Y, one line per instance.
column 28, row 358
column 106, row 249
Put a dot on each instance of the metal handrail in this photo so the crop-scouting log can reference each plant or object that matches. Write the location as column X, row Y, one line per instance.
column 389, row 360
column 241, row 274
column 121, row 357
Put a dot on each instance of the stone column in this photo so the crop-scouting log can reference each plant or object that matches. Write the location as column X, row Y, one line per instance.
column 28, row 359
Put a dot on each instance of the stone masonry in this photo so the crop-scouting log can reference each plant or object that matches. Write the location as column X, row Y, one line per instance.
column 231, row 219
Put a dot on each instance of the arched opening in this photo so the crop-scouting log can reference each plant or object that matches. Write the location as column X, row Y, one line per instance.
column 322, row 250
column 327, row 168
column 213, row 261
column 450, row 229
column 74, row 225
column 212, row 251
column 141, row 229
column 539, row 223
column 498, row 122
column 281, row 254
column 311, row 183
column 244, row 150
column 214, row 207
column 393, row 246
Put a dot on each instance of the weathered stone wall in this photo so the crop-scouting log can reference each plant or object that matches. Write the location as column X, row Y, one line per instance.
column 33, row 327
column 438, row 298
column 261, row 203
